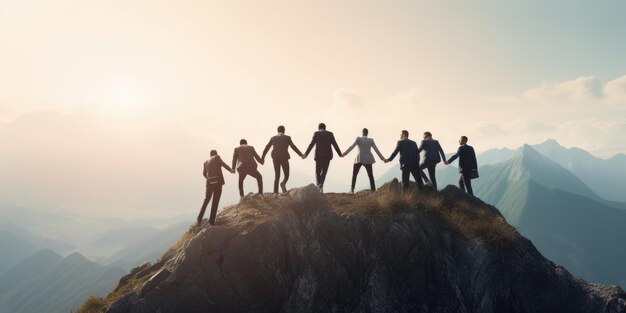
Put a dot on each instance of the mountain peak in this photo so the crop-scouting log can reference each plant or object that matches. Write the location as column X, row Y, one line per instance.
column 527, row 150
column 387, row 251
column 550, row 142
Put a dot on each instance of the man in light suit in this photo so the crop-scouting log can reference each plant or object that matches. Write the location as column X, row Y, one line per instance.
column 244, row 158
column 467, row 164
column 323, row 141
column 280, row 156
column 214, row 181
column 364, row 158
column 409, row 160
column 431, row 157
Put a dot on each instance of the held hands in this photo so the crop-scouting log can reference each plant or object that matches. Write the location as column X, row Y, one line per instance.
column 232, row 171
column 386, row 160
column 446, row 162
column 303, row 156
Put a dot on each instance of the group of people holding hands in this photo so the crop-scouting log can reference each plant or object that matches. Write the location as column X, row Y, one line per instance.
column 245, row 160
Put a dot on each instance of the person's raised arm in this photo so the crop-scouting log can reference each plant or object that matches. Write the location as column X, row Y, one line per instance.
column 380, row 155
column 395, row 152
column 224, row 165
column 443, row 154
column 310, row 145
column 257, row 157
column 293, row 146
column 421, row 147
column 452, row 158
column 235, row 158
column 336, row 146
column 351, row 147
column 267, row 148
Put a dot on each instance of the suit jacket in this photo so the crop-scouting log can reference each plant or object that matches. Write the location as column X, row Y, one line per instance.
column 281, row 144
column 244, row 156
column 433, row 149
column 467, row 159
column 323, row 140
column 409, row 155
column 213, row 169
column 365, row 155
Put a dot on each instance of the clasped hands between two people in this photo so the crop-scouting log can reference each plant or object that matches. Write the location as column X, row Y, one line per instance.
column 304, row 156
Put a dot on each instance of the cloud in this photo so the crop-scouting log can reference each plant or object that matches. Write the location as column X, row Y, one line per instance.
column 347, row 99
column 579, row 90
column 600, row 136
column 5, row 111
column 615, row 91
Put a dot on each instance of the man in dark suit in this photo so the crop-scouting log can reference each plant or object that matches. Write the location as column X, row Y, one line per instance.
column 409, row 160
column 431, row 157
column 280, row 156
column 323, row 141
column 244, row 158
column 467, row 164
column 214, row 181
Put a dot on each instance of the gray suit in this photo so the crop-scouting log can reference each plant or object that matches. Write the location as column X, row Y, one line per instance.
column 365, row 155
column 364, row 158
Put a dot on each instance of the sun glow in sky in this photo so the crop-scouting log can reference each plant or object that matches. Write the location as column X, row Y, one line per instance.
column 123, row 97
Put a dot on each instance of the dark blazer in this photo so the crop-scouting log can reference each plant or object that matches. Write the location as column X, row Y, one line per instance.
column 244, row 156
column 323, row 140
column 467, row 159
column 433, row 150
column 409, row 155
column 281, row 144
column 213, row 169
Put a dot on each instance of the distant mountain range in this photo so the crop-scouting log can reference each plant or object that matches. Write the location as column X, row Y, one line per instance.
column 148, row 248
column 36, row 277
column 559, row 213
column 95, row 238
column 606, row 177
column 561, row 209
column 46, row 282
column 17, row 243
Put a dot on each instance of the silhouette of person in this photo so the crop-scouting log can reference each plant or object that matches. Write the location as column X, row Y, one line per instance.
column 409, row 160
column 323, row 141
column 214, row 181
column 468, row 167
column 280, row 156
column 365, row 158
column 431, row 157
column 244, row 158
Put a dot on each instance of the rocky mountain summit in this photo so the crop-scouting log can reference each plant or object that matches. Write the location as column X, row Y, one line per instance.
column 388, row 251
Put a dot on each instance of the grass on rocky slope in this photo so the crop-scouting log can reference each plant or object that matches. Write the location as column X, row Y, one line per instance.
column 461, row 213
column 456, row 211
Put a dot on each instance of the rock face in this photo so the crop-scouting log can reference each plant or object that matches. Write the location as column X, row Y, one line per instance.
column 307, row 252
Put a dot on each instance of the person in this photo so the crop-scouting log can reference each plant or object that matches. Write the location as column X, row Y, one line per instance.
column 409, row 160
column 214, row 181
column 280, row 156
column 244, row 158
column 365, row 158
column 323, row 140
column 467, row 164
column 432, row 150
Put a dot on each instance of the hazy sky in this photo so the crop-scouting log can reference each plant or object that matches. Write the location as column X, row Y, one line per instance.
column 111, row 106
